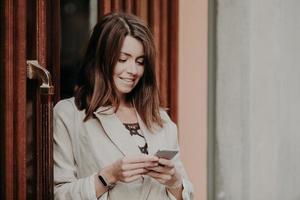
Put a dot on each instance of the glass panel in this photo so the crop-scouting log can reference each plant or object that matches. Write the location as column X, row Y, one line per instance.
column 31, row 159
column 76, row 23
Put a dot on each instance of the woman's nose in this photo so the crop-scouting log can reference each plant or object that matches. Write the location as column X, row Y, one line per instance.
column 132, row 68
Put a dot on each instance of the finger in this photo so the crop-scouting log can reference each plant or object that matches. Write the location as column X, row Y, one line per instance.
column 165, row 177
column 160, row 180
column 134, row 172
column 165, row 170
column 132, row 166
column 132, row 178
column 140, row 158
column 165, row 162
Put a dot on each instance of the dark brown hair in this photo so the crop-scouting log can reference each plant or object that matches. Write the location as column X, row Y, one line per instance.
column 95, row 85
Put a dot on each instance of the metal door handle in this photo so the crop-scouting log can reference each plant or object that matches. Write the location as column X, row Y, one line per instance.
column 44, row 137
column 36, row 71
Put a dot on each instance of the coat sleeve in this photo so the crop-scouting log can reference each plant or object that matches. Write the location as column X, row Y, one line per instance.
column 188, row 191
column 66, row 183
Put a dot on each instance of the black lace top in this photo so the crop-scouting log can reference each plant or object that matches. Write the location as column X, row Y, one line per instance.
column 136, row 132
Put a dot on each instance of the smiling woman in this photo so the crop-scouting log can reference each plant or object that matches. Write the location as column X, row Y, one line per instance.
column 96, row 84
column 130, row 66
column 106, row 136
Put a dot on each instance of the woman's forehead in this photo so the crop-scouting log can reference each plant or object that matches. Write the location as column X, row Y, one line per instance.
column 132, row 47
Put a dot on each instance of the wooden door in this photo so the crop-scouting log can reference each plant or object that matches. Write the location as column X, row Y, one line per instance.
column 29, row 31
column 30, row 37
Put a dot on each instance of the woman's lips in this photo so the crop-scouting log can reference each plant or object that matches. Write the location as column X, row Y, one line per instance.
column 127, row 80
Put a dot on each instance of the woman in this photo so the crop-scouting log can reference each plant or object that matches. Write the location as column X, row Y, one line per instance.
column 105, row 137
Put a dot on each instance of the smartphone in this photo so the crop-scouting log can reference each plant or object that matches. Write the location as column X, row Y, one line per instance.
column 167, row 154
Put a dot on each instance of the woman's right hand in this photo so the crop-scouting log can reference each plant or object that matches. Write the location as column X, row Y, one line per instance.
column 129, row 169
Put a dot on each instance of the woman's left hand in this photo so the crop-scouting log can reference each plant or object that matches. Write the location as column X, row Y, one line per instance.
column 166, row 174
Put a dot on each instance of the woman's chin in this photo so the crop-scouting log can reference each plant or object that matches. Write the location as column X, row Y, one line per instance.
column 125, row 91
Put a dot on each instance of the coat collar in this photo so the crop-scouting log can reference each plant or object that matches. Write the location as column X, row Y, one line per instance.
column 116, row 131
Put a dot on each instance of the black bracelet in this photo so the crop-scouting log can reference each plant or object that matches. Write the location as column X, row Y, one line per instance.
column 105, row 182
column 102, row 180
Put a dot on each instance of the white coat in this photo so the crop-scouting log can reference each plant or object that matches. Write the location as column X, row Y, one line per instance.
column 82, row 149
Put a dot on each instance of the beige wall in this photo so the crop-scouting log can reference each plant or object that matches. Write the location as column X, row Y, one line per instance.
column 193, row 91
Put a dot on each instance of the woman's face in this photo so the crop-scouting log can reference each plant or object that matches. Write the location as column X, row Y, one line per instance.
column 130, row 66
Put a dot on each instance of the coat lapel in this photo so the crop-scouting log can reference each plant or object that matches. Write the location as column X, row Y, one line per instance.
column 116, row 131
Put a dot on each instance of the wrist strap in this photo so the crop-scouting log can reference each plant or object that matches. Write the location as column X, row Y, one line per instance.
column 104, row 181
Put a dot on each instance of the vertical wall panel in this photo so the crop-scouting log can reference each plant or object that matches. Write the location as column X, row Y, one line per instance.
column 163, row 54
column 117, row 5
column 7, row 127
column 13, row 84
column 103, row 7
column 14, row 52
column 48, row 55
column 154, row 23
column 41, row 29
column 20, row 98
column 128, row 6
column 257, row 101
column 141, row 9
column 172, row 37
column 53, row 40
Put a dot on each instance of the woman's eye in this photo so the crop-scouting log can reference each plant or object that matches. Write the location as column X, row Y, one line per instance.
column 140, row 62
column 122, row 60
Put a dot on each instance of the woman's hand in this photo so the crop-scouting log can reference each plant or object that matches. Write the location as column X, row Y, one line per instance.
column 166, row 174
column 129, row 169
column 126, row 170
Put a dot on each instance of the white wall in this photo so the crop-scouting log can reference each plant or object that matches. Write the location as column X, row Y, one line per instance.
column 258, row 100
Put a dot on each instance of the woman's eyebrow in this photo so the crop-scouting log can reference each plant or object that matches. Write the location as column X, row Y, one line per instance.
column 128, row 54
column 142, row 56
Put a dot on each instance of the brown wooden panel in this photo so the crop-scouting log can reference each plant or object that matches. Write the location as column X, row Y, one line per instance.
column 14, row 34
column 117, row 5
column 48, row 40
column 141, row 9
column 41, row 11
column 103, row 7
column 13, row 84
column 154, row 15
column 163, row 19
column 48, row 55
column 53, row 40
column 173, row 12
column 7, row 127
column 31, row 101
column 41, row 56
column 137, row 8
column 163, row 54
column 128, row 6
column 20, row 98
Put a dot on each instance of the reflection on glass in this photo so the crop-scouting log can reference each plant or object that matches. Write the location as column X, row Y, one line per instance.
column 77, row 17
column 31, row 161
